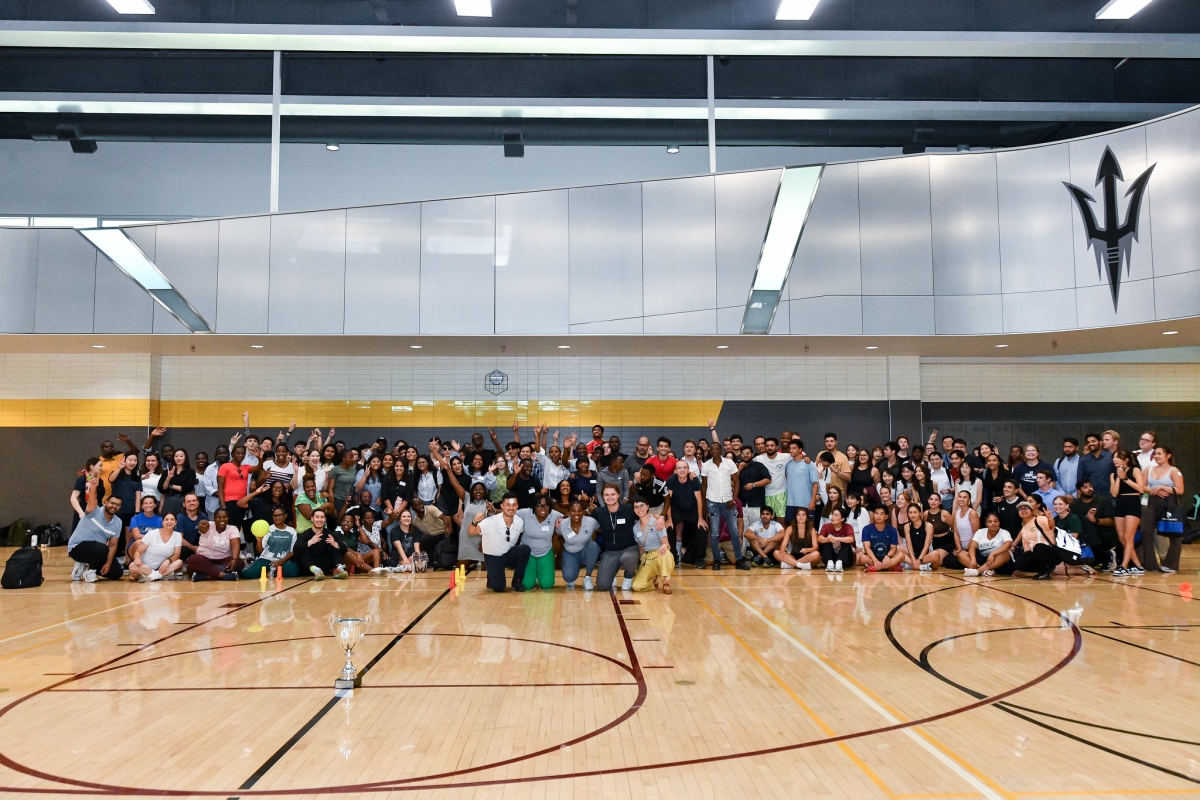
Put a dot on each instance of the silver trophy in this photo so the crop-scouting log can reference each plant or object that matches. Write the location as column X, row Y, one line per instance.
column 349, row 631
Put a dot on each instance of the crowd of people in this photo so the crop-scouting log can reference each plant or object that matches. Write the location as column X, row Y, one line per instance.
column 542, row 508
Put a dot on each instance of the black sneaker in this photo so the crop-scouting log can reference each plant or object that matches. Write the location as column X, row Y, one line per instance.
column 198, row 576
column 1042, row 576
column 758, row 561
column 716, row 566
column 229, row 576
column 518, row 587
column 743, row 564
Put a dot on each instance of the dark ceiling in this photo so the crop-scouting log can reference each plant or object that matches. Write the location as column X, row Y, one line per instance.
column 62, row 72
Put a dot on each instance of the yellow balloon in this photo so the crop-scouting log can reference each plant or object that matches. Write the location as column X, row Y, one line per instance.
column 260, row 528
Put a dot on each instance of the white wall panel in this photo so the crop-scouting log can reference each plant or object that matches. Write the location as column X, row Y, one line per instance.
column 1177, row 296
column 18, row 279
column 827, row 259
column 898, row 315
column 679, row 260
column 834, row 315
column 894, row 226
column 532, row 255
column 1173, row 146
column 187, row 254
column 122, row 306
column 308, row 272
column 605, row 228
column 966, row 234
column 66, row 283
column 1031, row 312
column 1036, row 219
column 244, row 275
column 968, row 314
column 383, row 269
column 743, row 208
column 1095, row 307
column 696, row 323
column 458, row 280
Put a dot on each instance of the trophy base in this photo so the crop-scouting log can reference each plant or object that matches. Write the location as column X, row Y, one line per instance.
column 347, row 683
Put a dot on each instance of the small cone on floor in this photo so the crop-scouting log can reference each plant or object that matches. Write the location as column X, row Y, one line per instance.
column 279, row 574
column 262, row 576
column 452, row 581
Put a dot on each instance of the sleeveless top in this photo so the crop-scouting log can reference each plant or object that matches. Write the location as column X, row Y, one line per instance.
column 1163, row 481
column 943, row 538
column 965, row 530
column 1124, row 489
column 860, row 479
column 918, row 534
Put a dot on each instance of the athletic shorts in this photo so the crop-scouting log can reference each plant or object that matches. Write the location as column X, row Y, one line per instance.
column 778, row 504
column 790, row 515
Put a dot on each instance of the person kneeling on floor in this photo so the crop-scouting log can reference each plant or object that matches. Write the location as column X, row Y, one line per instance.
column 657, row 561
column 539, row 522
column 93, row 544
column 217, row 553
column 502, row 548
column 881, row 543
column 275, row 549
column 157, row 554
column 321, row 550
column 620, row 548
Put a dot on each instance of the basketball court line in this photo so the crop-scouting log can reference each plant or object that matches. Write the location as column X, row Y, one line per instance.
column 75, row 619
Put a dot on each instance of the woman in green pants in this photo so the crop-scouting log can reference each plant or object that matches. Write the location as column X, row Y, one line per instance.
column 539, row 535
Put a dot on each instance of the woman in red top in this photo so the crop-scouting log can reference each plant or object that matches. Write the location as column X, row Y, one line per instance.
column 232, row 483
column 836, row 542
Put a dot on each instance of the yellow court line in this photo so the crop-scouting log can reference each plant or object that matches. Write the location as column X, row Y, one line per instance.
column 74, row 619
column 858, row 762
column 1107, row 792
column 978, row 781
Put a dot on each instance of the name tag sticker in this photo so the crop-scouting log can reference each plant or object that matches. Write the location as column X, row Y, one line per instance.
column 545, row 527
column 531, row 490
column 621, row 521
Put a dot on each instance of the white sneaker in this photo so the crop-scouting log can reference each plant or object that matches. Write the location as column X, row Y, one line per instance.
column 77, row 573
column 926, row 568
column 378, row 570
column 587, row 583
column 785, row 565
column 156, row 576
column 829, row 566
column 571, row 585
column 142, row 578
column 805, row 565
column 405, row 568
column 970, row 573
column 89, row 575
column 837, row 565
column 1165, row 570
column 989, row 573
column 626, row 584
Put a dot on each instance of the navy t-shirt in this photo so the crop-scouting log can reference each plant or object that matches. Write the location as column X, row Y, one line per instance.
column 880, row 541
column 683, row 494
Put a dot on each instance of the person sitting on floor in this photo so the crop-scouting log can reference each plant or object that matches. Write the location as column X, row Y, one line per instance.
column 320, row 550
column 93, row 543
column 765, row 536
column 798, row 550
column 156, row 554
column 881, row 543
column 402, row 542
column 217, row 553
column 990, row 551
column 836, row 542
column 275, row 549
column 1034, row 549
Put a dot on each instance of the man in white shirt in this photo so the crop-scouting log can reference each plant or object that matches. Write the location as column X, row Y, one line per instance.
column 940, row 478
column 765, row 536
column 775, row 462
column 1145, row 454
column 212, row 499
column 501, row 544
column 720, row 479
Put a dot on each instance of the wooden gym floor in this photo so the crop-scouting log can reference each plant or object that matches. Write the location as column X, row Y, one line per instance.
column 759, row 684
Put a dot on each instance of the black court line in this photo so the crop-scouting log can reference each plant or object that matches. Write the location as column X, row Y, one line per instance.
column 1143, row 647
column 278, row 755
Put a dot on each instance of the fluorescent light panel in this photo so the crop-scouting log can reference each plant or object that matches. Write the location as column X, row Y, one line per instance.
column 796, row 191
column 121, row 250
column 1121, row 9
column 790, row 10
column 63, row 222
column 131, row 6
column 473, row 8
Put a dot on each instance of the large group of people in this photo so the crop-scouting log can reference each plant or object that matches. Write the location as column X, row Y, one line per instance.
column 543, row 508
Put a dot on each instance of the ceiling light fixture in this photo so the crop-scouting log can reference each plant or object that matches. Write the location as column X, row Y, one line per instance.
column 131, row 6
column 1114, row 9
column 872, row 347
column 99, row 346
column 722, row 347
column 1170, row 333
column 790, row 10
column 473, row 8
column 414, row 347
column 673, row 149
column 256, row 347
column 564, row 347
column 333, row 147
column 1001, row 345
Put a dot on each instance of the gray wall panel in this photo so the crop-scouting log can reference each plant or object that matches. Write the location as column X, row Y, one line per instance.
column 18, row 279
column 243, row 275
column 743, row 203
column 1031, row 312
column 606, row 253
column 1173, row 145
column 633, row 325
column 383, row 269
column 458, row 244
column 532, row 254
column 1095, row 308
column 966, row 231
column 827, row 316
column 1036, row 219
column 308, row 269
column 679, row 260
column 894, row 232
column 782, row 323
column 968, row 314
column 66, row 283
column 688, row 322
column 898, row 315
column 122, row 306
column 827, row 260
column 187, row 255
column 1177, row 296
column 1129, row 146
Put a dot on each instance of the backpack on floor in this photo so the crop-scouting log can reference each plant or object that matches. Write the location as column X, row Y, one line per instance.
column 445, row 555
column 23, row 570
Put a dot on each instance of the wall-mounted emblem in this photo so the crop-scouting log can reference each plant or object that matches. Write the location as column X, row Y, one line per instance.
column 495, row 382
column 1112, row 244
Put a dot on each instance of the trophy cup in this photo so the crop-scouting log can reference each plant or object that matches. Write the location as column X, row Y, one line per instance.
column 349, row 631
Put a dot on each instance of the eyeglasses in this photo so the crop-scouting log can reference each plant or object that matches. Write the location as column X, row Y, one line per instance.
column 506, row 534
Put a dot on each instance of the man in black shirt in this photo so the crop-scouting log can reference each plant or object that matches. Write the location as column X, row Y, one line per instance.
column 1006, row 509
column 614, row 449
column 647, row 485
column 524, row 485
column 683, row 507
column 476, row 446
column 754, row 478
column 619, row 547
column 1096, row 515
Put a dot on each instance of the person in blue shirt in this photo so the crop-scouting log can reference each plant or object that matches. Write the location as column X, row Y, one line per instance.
column 1046, row 488
column 802, row 483
column 1026, row 472
column 1066, row 468
column 881, row 543
column 147, row 519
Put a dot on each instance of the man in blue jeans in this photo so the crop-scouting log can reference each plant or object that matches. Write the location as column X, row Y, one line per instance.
column 720, row 478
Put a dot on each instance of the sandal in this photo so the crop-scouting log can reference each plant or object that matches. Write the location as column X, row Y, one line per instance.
column 666, row 587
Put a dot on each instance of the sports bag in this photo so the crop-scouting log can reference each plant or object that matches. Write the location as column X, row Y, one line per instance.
column 445, row 554
column 23, row 570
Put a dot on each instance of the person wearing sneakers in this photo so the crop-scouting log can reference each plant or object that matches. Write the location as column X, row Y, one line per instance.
column 501, row 543
column 881, row 543
column 657, row 560
column 620, row 549
column 990, row 551
column 276, row 549
column 836, row 542
column 156, row 555
column 917, row 535
column 93, row 544
column 765, row 536
column 217, row 553
column 577, row 530
column 807, row 550
column 320, row 550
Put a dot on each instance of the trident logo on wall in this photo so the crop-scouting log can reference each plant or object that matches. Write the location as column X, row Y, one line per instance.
column 1113, row 243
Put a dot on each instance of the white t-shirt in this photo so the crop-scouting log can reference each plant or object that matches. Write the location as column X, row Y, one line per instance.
column 495, row 542
column 984, row 546
column 775, row 466
column 858, row 522
column 150, row 486
column 720, row 480
column 280, row 473
column 694, row 466
column 756, row 528
column 157, row 551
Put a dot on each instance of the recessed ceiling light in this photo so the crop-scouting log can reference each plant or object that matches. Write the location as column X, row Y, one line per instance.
column 1170, row 333
column 796, row 9
column 1001, row 345
column 722, row 347
column 415, row 346
column 473, row 8
column 1114, row 9
column 256, row 347
column 673, row 149
column 131, row 6
column 872, row 347
column 99, row 346
column 333, row 147
column 564, row 347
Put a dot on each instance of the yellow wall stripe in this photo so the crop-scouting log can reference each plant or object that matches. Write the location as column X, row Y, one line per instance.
column 563, row 414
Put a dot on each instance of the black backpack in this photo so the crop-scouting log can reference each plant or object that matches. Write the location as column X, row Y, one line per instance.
column 445, row 554
column 23, row 570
